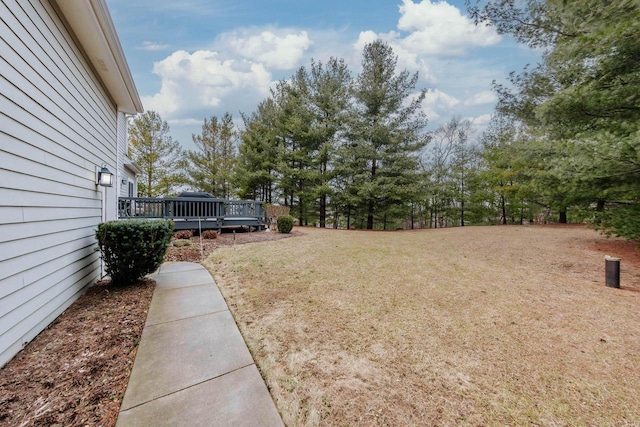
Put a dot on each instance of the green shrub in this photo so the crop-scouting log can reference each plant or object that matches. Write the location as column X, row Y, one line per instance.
column 285, row 223
column 209, row 234
column 181, row 242
column 133, row 248
column 621, row 221
column 183, row 234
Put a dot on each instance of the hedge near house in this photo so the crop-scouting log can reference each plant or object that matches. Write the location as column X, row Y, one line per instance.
column 133, row 248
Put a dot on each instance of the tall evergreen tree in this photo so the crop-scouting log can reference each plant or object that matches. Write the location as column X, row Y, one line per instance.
column 256, row 172
column 299, row 126
column 318, row 141
column 212, row 164
column 509, row 161
column 330, row 86
column 160, row 157
column 294, row 130
column 385, row 133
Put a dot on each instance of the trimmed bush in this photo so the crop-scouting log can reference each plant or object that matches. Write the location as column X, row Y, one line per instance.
column 285, row 223
column 209, row 234
column 133, row 248
column 181, row 242
column 183, row 234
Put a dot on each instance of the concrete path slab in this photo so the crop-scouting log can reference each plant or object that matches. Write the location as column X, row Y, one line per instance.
column 234, row 399
column 176, row 355
column 193, row 366
column 173, row 267
column 181, row 279
column 168, row 305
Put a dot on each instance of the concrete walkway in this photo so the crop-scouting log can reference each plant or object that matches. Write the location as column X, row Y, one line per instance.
column 193, row 367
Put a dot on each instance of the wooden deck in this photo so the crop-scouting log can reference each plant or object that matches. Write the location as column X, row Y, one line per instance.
column 190, row 213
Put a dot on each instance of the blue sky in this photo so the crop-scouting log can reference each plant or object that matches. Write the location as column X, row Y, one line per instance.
column 192, row 59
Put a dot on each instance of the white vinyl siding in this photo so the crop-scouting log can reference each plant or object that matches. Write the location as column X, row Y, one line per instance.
column 122, row 181
column 127, row 178
column 57, row 124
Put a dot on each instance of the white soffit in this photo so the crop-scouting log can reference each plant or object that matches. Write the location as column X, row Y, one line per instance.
column 132, row 167
column 91, row 23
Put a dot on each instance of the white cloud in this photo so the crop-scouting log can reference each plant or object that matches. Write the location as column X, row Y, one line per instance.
column 281, row 50
column 364, row 38
column 441, row 29
column 236, row 69
column 479, row 124
column 481, row 98
column 153, row 46
column 407, row 60
column 437, row 103
column 202, row 80
column 429, row 31
column 481, row 120
column 185, row 122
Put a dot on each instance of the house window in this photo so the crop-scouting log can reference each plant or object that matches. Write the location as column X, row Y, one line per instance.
column 131, row 189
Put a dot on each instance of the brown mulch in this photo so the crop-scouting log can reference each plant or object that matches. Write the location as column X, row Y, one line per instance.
column 75, row 372
column 627, row 251
column 192, row 253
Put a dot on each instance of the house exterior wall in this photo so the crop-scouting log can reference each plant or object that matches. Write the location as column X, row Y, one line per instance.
column 130, row 184
column 57, row 125
column 127, row 177
column 122, row 179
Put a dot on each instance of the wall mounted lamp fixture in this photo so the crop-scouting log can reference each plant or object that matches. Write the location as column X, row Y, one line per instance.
column 104, row 177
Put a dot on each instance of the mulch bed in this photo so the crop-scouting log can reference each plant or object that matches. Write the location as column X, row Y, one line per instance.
column 192, row 253
column 75, row 372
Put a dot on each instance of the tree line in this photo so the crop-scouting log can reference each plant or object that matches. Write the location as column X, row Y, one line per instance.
column 333, row 147
column 566, row 132
column 353, row 151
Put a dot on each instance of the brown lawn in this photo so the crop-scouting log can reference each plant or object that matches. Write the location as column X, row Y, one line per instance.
column 465, row 326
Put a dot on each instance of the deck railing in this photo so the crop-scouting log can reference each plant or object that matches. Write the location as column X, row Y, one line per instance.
column 191, row 208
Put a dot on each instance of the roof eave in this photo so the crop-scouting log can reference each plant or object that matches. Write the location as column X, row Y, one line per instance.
column 92, row 25
column 132, row 167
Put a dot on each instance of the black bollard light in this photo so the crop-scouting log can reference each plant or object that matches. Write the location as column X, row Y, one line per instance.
column 612, row 271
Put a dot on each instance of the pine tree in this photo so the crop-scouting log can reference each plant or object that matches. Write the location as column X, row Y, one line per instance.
column 212, row 164
column 330, row 86
column 504, row 172
column 294, row 130
column 159, row 157
column 256, row 172
column 385, row 134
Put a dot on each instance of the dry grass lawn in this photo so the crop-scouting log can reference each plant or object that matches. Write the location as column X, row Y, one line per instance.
column 464, row 326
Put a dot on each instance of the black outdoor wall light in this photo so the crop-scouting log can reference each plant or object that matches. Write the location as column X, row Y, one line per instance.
column 105, row 177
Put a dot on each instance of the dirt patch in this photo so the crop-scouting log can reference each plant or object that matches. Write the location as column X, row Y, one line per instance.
column 627, row 251
column 75, row 372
